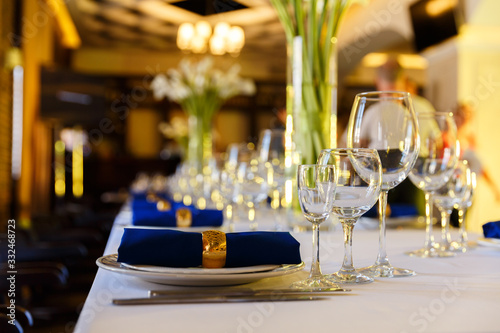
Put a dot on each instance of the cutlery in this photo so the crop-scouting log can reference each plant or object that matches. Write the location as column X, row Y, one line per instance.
column 246, row 292
column 214, row 299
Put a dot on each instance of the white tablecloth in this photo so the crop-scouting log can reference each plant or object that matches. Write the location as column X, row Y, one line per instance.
column 460, row 294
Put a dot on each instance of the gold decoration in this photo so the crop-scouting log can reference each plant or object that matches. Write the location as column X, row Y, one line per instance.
column 183, row 217
column 214, row 249
column 163, row 206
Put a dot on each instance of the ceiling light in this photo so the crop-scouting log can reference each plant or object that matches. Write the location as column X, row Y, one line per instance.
column 199, row 38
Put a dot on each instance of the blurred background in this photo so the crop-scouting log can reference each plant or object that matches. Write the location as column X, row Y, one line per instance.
column 78, row 120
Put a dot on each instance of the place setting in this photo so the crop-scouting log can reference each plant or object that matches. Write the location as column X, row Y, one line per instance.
column 191, row 242
column 189, row 259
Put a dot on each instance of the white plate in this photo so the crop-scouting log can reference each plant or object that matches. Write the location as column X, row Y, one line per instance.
column 200, row 270
column 188, row 279
column 491, row 242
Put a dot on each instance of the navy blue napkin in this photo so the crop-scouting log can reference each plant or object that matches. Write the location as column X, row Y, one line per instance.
column 160, row 247
column 172, row 248
column 145, row 213
column 491, row 229
column 261, row 248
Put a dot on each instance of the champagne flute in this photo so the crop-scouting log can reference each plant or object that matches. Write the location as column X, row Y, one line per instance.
column 385, row 121
column 358, row 185
column 437, row 159
column 316, row 192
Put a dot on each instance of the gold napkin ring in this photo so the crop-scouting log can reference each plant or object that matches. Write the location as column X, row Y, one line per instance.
column 183, row 218
column 163, row 205
column 214, row 249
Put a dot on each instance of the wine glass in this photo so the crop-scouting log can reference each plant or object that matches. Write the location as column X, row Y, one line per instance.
column 463, row 203
column 358, row 185
column 447, row 197
column 437, row 159
column 271, row 150
column 252, row 185
column 229, row 194
column 385, row 121
column 316, row 192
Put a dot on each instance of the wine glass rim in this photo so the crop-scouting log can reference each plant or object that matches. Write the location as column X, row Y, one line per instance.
column 390, row 94
column 314, row 165
column 435, row 113
column 345, row 151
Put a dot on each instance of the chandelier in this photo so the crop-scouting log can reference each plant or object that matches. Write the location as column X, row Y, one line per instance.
column 199, row 38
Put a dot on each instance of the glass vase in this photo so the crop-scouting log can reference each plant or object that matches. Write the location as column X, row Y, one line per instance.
column 199, row 150
column 311, row 115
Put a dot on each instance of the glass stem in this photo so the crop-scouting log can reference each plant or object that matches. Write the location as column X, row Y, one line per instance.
column 382, row 208
column 229, row 215
column 429, row 238
column 347, row 265
column 251, row 216
column 461, row 225
column 276, row 206
column 315, row 267
column 445, row 229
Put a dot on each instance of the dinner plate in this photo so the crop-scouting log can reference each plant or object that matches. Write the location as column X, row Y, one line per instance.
column 491, row 242
column 110, row 263
column 200, row 270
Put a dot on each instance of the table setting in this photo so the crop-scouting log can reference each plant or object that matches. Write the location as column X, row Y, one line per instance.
column 278, row 225
column 169, row 259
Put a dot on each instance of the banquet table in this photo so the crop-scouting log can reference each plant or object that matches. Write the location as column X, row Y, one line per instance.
column 459, row 294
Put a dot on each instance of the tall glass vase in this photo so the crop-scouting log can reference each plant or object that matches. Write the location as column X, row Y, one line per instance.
column 311, row 102
column 311, row 113
column 199, row 150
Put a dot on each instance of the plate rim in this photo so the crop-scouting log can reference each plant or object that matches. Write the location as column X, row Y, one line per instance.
column 200, row 270
column 489, row 242
column 108, row 262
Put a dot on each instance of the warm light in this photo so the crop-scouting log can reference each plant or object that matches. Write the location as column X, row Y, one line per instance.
column 198, row 38
column 438, row 7
column 203, row 29
column 413, row 61
column 59, row 168
column 184, row 35
column 198, row 44
column 17, row 121
column 69, row 33
column 217, row 45
column 235, row 39
column 78, row 163
column 221, row 29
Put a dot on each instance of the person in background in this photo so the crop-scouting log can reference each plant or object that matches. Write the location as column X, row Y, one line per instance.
column 463, row 114
column 390, row 77
column 420, row 104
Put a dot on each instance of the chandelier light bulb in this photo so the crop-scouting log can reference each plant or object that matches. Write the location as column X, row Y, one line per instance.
column 184, row 35
column 217, row 45
column 236, row 37
column 222, row 29
column 198, row 38
column 203, row 29
column 198, row 44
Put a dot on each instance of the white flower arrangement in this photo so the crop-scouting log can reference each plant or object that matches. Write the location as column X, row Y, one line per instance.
column 200, row 88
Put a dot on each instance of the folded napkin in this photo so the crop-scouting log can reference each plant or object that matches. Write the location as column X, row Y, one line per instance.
column 146, row 213
column 172, row 248
column 491, row 229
